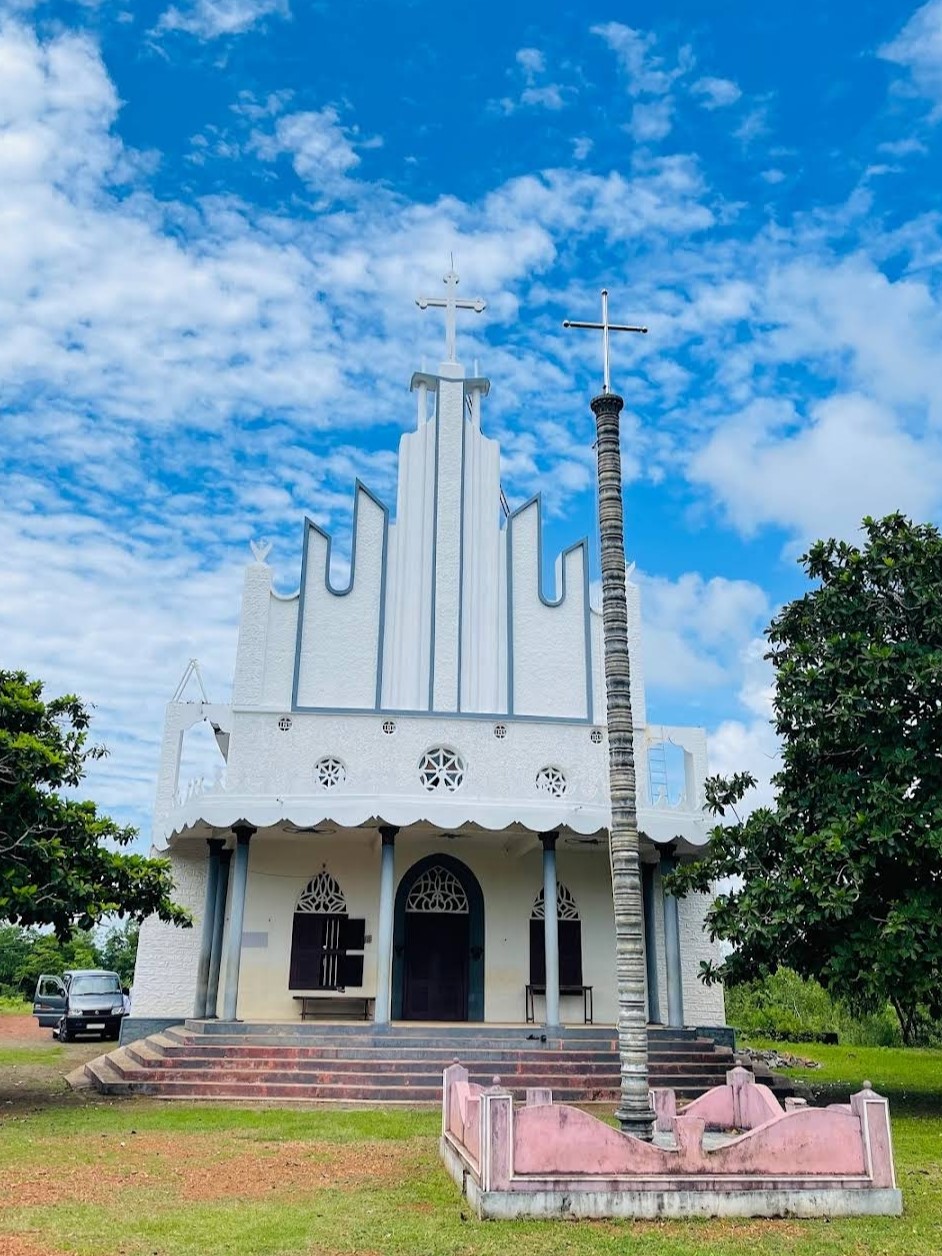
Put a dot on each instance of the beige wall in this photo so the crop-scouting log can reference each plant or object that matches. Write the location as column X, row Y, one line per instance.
column 510, row 877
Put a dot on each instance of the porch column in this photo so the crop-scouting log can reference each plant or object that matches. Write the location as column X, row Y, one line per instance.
column 209, row 917
column 675, row 987
column 384, row 932
column 240, row 876
column 550, row 929
column 650, row 943
column 219, row 921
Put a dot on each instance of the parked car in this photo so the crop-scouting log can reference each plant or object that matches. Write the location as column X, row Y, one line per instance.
column 81, row 1001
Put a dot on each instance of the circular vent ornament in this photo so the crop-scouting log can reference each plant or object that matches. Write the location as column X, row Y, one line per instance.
column 329, row 772
column 550, row 780
column 389, row 727
column 596, row 736
column 441, row 769
column 500, row 731
column 284, row 723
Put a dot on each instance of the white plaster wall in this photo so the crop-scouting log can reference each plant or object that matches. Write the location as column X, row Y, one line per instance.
column 483, row 551
column 248, row 682
column 549, row 663
column 168, row 956
column 407, row 653
column 280, row 646
column 703, row 1005
column 341, row 632
column 266, row 761
column 448, row 513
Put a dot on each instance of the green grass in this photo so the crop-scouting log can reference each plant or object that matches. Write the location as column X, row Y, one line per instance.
column 148, row 1154
column 911, row 1078
column 31, row 1055
column 10, row 1006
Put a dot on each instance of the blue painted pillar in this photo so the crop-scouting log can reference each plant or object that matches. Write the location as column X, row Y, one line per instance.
column 209, row 918
column 650, row 943
column 550, row 929
column 219, row 922
column 384, row 932
column 675, row 986
column 240, row 877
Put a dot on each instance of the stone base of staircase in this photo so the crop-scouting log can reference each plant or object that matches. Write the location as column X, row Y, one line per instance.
column 357, row 1064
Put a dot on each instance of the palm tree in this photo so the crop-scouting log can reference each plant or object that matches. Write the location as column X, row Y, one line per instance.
column 634, row 1111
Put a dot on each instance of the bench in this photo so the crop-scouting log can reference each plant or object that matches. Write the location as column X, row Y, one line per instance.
column 584, row 991
column 325, row 1006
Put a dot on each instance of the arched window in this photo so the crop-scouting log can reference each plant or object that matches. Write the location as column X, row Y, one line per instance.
column 323, row 937
column 570, row 940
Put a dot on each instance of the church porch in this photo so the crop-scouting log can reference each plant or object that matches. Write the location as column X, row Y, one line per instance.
column 404, row 926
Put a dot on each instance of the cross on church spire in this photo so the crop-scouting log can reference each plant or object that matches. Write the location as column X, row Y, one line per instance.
column 451, row 304
column 605, row 327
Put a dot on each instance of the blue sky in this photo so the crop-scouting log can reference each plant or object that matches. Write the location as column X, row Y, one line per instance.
column 215, row 216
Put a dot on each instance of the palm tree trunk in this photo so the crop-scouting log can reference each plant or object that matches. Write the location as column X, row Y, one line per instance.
column 634, row 1111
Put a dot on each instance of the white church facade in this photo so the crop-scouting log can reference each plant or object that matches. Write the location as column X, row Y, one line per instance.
column 414, row 763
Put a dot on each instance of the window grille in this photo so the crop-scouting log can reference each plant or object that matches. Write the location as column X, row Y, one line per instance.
column 438, row 890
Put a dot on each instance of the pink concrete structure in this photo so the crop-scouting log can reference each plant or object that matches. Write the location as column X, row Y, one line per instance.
column 548, row 1160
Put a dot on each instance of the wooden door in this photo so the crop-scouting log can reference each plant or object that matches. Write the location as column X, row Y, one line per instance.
column 437, row 949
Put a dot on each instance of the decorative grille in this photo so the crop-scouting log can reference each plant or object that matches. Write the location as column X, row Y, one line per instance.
column 438, row 890
column 500, row 731
column 389, row 727
column 284, row 723
column 329, row 772
column 551, row 781
column 566, row 908
column 441, row 768
column 323, row 896
column 596, row 736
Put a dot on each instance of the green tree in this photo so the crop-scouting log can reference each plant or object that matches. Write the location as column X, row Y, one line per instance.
column 118, row 950
column 60, row 860
column 841, row 880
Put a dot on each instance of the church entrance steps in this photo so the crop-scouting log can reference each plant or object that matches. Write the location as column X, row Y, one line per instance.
column 365, row 1064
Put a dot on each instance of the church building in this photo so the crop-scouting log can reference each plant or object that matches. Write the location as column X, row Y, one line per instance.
column 410, row 818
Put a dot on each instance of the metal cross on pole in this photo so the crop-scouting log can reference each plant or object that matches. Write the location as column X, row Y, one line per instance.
column 605, row 327
column 451, row 304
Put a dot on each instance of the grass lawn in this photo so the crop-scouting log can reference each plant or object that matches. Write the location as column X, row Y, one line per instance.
column 81, row 1174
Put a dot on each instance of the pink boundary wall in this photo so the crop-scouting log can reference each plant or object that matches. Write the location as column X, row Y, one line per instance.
column 546, row 1159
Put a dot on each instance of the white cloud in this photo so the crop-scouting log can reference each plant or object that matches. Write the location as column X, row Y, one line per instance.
column 750, row 744
column 695, row 629
column 716, row 93
column 581, row 147
column 645, row 72
column 853, row 458
column 322, row 151
column 773, row 176
column 531, row 64
column 211, row 19
column 531, row 60
column 903, row 148
column 918, row 49
column 651, row 120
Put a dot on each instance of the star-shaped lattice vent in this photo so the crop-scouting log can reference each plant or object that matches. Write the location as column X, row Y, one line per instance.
column 551, row 781
column 329, row 772
column 441, row 768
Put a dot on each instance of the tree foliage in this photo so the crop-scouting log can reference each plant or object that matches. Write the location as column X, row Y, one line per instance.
column 61, row 862
column 27, row 953
column 841, row 880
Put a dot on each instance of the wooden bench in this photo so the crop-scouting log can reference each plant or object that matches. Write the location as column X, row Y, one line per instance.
column 584, row 991
column 325, row 1005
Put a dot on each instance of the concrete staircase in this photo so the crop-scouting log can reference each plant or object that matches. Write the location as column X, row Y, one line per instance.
column 365, row 1064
